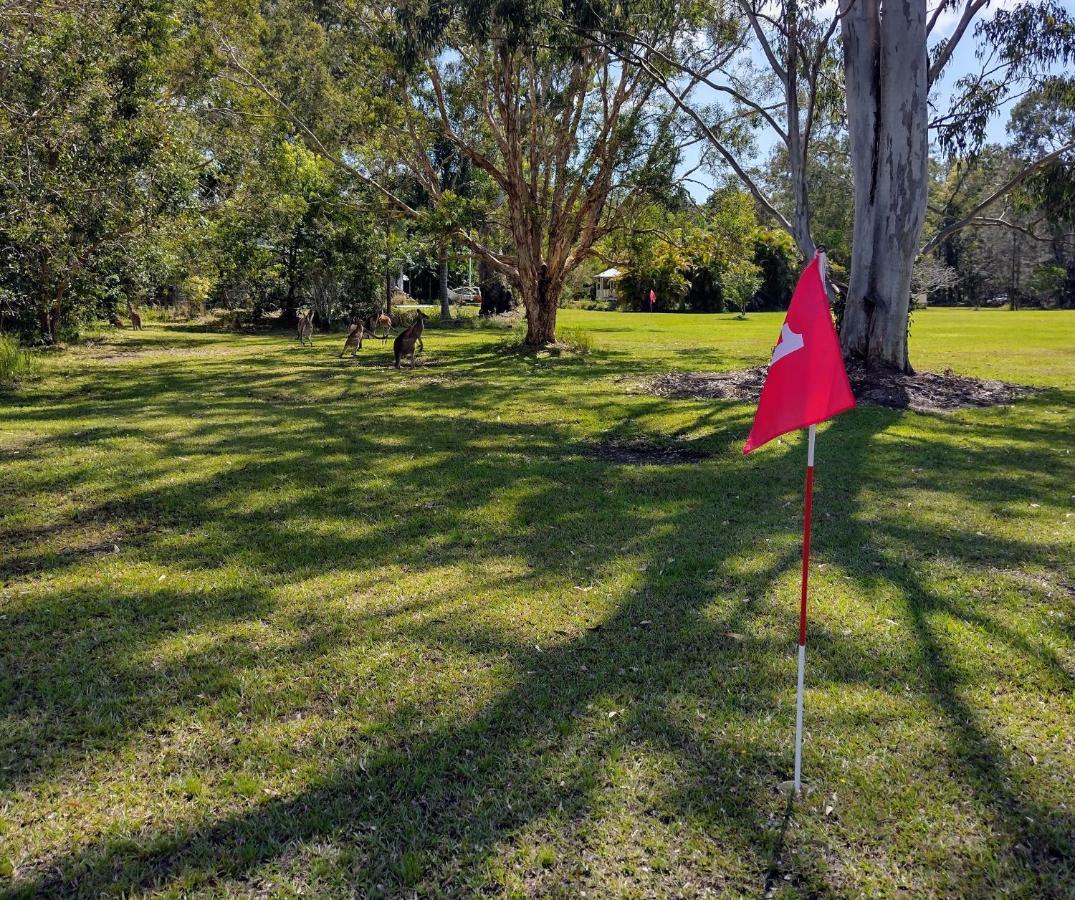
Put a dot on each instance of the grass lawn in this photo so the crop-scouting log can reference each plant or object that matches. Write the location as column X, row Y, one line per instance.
column 276, row 622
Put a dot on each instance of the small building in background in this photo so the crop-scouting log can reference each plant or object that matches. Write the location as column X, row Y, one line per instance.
column 605, row 288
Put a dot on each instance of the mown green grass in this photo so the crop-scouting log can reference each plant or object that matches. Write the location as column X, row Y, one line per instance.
column 273, row 622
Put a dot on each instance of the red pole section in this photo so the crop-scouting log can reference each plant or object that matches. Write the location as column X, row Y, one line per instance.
column 806, row 548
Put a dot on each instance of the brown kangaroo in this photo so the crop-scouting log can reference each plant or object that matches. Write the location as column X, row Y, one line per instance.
column 405, row 340
column 114, row 320
column 305, row 327
column 136, row 320
column 381, row 326
column 354, row 339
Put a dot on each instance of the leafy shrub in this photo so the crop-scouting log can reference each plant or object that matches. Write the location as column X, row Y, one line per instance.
column 404, row 318
column 16, row 364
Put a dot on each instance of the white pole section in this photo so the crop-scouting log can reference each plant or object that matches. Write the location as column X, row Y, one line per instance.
column 802, row 609
column 799, row 720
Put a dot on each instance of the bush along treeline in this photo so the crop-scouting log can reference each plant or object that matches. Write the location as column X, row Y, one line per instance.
column 717, row 256
column 264, row 157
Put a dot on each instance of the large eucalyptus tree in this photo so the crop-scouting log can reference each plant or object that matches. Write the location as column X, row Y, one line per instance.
column 890, row 69
column 782, row 75
column 562, row 140
column 569, row 137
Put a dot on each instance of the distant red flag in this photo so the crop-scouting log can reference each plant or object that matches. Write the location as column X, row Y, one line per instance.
column 807, row 382
column 652, row 297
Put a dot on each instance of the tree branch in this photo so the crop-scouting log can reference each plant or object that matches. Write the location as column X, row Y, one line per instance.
column 972, row 9
column 1011, row 183
column 318, row 145
column 752, row 15
column 1014, row 226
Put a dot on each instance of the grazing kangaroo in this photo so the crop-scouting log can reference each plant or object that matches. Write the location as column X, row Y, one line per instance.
column 136, row 320
column 114, row 320
column 405, row 340
column 354, row 339
column 305, row 327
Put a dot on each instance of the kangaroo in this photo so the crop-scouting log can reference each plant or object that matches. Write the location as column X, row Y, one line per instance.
column 381, row 327
column 405, row 340
column 306, row 327
column 354, row 339
column 114, row 320
column 136, row 320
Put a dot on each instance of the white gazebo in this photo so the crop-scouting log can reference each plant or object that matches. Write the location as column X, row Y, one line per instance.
column 606, row 288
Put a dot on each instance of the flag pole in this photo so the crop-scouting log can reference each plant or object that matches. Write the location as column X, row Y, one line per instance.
column 802, row 608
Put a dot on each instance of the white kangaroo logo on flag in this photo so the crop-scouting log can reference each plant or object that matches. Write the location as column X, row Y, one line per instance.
column 790, row 341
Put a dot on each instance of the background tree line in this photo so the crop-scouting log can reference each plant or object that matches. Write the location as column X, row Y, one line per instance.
column 263, row 156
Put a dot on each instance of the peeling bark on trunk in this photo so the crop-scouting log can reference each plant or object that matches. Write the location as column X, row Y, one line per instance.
column 887, row 86
column 541, row 295
column 540, row 324
column 551, row 141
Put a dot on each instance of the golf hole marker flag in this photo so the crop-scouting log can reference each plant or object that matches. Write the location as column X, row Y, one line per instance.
column 806, row 384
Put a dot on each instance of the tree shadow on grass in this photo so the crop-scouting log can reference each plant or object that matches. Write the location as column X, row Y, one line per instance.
column 545, row 757
column 461, row 785
column 1034, row 837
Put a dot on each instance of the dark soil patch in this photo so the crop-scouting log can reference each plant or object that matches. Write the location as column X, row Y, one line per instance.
column 643, row 453
column 922, row 392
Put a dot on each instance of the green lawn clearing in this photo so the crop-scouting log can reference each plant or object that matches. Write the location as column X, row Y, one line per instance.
column 273, row 622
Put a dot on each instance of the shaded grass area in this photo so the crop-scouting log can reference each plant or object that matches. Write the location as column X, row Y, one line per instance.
column 277, row 622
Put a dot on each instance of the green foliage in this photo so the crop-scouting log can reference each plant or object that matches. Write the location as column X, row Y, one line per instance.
column 701, row 259
column 1024, row 45
column 91, row 159
column 287, row 235
column 1049, row 281
column 830, row 190
column 576, row 340
column 739, row 281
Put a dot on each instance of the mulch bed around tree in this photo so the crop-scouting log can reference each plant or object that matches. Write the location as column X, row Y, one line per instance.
column 922, row 392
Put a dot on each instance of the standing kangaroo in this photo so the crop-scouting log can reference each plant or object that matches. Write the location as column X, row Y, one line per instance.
column 136, row 320
column 306, row 327
column 381, row 326
column 405, row 340
column 354, row 339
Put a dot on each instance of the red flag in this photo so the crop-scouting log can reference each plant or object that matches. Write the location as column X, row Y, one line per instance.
column 652, row 297
column 807, row 382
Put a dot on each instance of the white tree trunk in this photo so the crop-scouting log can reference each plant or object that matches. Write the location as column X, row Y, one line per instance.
column 797, row 158
column 887, row 87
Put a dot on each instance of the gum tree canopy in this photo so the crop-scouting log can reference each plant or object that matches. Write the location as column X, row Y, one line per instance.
column 569, row 139
column 562, row 142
